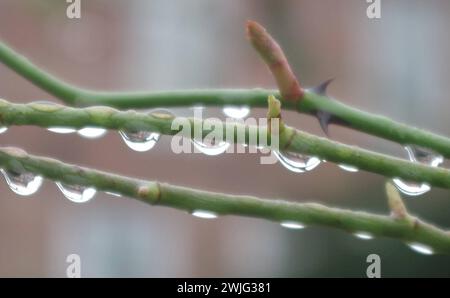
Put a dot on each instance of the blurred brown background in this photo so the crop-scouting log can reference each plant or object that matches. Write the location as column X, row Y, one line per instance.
column 398, row 66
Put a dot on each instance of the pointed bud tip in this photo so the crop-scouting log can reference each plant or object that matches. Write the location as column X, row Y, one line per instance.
column 274, row 107
column 255, row 33
column 395, row 202
column 253, row 27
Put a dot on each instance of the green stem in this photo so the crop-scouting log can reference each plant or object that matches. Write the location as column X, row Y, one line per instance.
column 310, row 103
column 187, row 199
column 290, row 139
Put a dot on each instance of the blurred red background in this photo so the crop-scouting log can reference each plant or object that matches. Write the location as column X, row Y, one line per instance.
column 398, row 66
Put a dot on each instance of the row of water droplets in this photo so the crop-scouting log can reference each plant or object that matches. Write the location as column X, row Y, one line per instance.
column 295, row 225
column 142, row 141
column 295, row 162
column 26, row 183
column 300, row 163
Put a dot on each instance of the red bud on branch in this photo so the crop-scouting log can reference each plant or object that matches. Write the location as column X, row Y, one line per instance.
column 273, row 56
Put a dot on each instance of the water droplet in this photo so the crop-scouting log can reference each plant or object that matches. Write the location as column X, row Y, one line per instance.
column 292, row 225
column 140, row 141
column 236, row 112
column 363, row 235
column 420, row 155
column 421, row 248
column 61, row 129
column 204, row 214
column 114, row 194
column 297, row 163
column 23, row 184
column 92, row 132
column 210, row 147
column 411, row 188
column 423, row 155
column 348, row 168
column 3, row 129
column 76, row 193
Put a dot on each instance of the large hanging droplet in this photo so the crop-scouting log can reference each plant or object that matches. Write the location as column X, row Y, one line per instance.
column 62, row 130
column 211, row 147
column 419, row 155
column 140, row 141
column 92, row 132
column 204, row 214
column 421, row 248
column 236, row 112
column 206, row 146
column 3, row 129
column 77, row 193
column 23, row 184
column 424, row 155
column 292, row 225
column 411, row 188
column 297, row 163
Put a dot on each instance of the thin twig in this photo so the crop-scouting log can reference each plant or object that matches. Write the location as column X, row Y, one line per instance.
column 189, row 200
column 311, row 103
column 290, row 139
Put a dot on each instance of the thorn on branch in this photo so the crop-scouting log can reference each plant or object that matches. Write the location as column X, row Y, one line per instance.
column 326, row 118
column 322, row 88
column 273, row 56
column 323, row 117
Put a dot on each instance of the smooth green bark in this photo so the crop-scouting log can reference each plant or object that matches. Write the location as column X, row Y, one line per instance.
column 311, row 103
column 408, row 230
column 292, row 140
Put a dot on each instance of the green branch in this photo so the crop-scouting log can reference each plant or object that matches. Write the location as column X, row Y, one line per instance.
column 311, row 103
column 410, row 230
column 290, row 139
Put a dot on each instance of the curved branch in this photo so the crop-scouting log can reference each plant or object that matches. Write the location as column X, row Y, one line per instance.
column 290, row 139
column 311, row 103
column 189, row 200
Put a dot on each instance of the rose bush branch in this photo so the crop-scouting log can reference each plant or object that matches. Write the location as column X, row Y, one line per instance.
column 290, row 139
column 407, row 229
column 311, row 102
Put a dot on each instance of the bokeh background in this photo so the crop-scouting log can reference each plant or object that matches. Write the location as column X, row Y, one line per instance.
column 398, row 66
